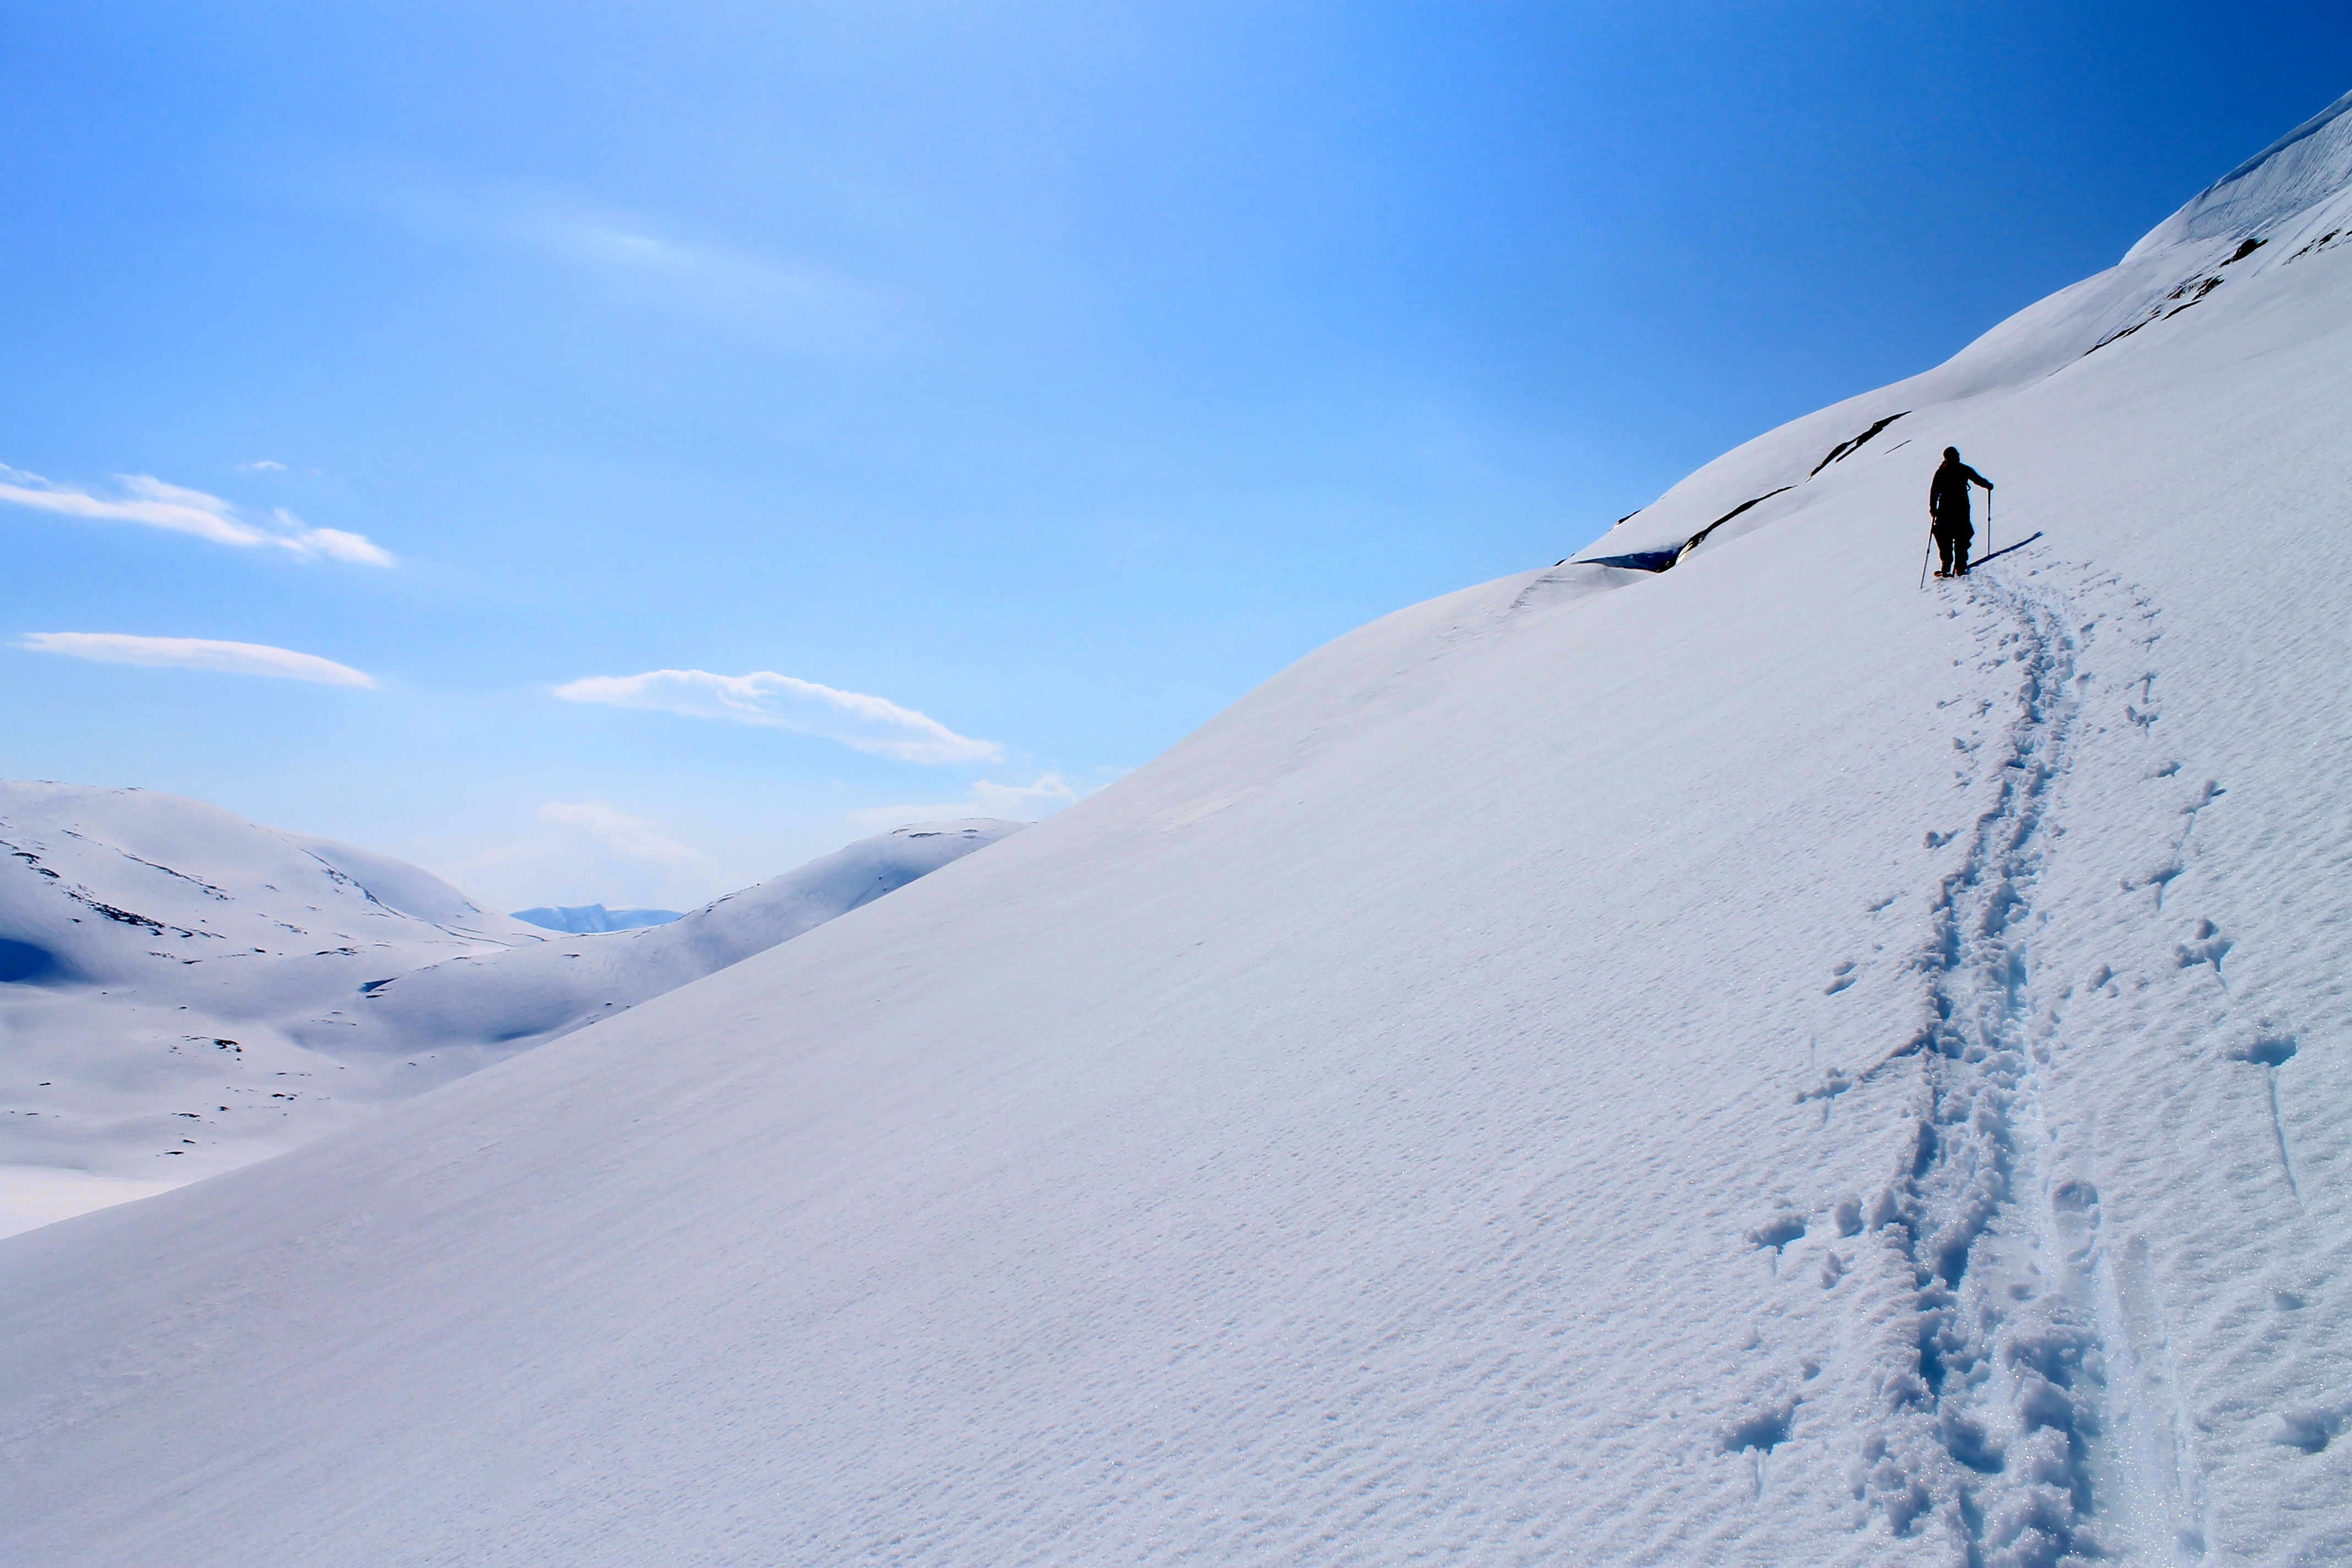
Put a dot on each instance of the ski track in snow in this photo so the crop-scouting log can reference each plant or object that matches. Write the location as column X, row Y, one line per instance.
column 1994, row 1406
column 2031, row 1395
column 1519, row 1087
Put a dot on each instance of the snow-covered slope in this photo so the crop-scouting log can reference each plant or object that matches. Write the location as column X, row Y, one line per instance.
column 182, row 991
column 2274, row 212
column 182, row 986
column 522, row 996
column 1751, row 1064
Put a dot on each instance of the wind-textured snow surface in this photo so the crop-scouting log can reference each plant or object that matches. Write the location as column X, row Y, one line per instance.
column 183, row 992
column 1754, row 1063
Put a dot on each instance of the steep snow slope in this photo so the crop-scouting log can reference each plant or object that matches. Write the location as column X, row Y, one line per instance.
column 185, row 992
column 2273, row 212
column 1754, row 1064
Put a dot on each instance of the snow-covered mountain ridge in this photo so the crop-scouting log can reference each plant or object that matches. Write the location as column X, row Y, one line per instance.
column 184, row 990
column 524, row 996
column 1750, row 1063
column 2273, row 212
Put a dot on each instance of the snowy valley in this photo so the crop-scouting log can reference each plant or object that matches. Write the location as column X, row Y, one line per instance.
column 185, row 992
column 1753, row 1062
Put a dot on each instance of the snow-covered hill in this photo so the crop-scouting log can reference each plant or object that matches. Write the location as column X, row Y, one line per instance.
column 2274, row 212
column 185, row 992
column 1754, row 1063
column 522, row 996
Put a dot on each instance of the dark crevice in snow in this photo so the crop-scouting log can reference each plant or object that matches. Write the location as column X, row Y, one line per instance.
column 2117, row 337
column 208, row 889
column 112, row 912
column 1845, row 449
column 1694, row 541
column 1639, row 560
column 123, row 916
column 2189, row 293
column 1661, row 559
column 2203, row 288
column 2322, row 243
column 33, row 860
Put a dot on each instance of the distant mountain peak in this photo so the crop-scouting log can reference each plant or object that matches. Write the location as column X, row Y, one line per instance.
column 587, row 919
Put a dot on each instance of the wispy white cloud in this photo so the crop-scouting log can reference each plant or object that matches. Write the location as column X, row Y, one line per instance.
column 334, row 543
column 144, row 498
column 785, row 702
column 194, row 653
column 1041, row 796
column 588, row 853
column 263, row 465
column 650, row 259
column 632, row 837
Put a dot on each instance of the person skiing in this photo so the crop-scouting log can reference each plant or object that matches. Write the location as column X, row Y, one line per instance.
column 1947, row 512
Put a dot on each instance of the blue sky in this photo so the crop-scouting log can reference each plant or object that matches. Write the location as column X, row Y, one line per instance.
column 971, row 399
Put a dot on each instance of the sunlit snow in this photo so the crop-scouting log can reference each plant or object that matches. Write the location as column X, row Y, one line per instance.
column 1748, row 1063
column 183, row 992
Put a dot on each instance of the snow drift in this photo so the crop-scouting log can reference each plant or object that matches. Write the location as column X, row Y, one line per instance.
column 1754, row 1063
column 182, row 991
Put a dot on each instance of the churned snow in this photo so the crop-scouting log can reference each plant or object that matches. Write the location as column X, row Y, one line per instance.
column 1754, row 1063
column 182, row 991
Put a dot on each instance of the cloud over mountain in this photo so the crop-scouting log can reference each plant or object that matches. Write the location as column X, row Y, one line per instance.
column 764, row 698
column 1047, row 793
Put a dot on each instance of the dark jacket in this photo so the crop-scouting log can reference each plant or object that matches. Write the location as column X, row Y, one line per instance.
column 1948, row 493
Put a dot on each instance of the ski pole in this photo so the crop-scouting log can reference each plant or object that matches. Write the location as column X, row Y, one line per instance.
column 1924, row 554
column 1988, row 520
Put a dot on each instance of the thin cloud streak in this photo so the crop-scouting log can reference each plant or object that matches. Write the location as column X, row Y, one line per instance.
column 174, row 508
column 777, row 701
column 587, row 852
column 194, row 653
column 633, row 837
column 792, row 301
column 1047, row 793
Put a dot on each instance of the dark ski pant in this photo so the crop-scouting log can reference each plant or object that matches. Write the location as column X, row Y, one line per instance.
column 1952, row 542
